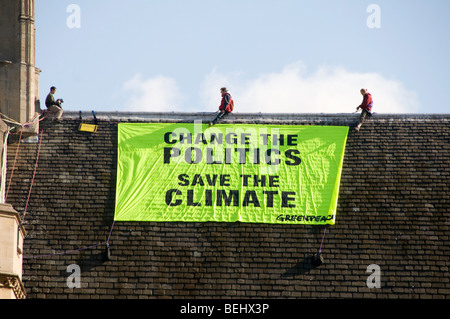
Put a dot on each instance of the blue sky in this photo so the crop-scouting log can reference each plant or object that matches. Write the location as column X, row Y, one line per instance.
column 274, row 56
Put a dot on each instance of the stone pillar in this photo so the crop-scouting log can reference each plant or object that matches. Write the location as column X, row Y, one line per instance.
column 3, row 152
column 19, row 96
column 12, row 235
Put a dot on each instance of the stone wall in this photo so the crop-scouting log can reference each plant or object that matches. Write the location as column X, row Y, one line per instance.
column 19, row 76
column 393, row 211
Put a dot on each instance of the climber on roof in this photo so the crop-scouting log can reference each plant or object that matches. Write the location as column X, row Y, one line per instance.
column 366, row 107
column 226, row 106
column 54, row 107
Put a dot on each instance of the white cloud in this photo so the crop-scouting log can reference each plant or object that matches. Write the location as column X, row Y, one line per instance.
column 292, row 90
column 158, row 94
column 327, row 90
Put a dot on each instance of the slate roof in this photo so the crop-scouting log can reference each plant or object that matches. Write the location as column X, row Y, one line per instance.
column 393, row 211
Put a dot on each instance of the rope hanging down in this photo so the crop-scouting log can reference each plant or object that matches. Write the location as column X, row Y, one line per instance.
column 317, row 259
column 7, row 119
column 14, row 165
column 34, row 175
column 107, row 243
column 323, row 237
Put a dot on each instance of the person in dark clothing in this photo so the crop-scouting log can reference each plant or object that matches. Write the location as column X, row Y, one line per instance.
column 366, row 107
column 226, row 106
column 54, row 106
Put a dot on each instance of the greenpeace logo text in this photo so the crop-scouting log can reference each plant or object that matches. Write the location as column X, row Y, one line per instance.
column 304, row 218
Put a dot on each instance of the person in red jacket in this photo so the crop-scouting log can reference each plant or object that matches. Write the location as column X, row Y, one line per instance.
column 366, row 107
column 226, row 106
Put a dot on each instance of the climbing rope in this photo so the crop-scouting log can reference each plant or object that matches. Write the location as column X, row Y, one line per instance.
column 34, row 174
column 317, row 259
column 9, row 120
column 323, row 237
column 14, row 165
column 32, row 121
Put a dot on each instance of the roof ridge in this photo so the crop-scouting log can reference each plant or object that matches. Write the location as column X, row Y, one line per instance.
column 236, row 116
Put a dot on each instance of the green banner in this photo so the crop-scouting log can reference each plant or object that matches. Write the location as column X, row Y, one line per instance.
column 227, row 173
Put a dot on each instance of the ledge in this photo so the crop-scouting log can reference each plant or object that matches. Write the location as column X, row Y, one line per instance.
column 5, row 62
column 7, row 210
